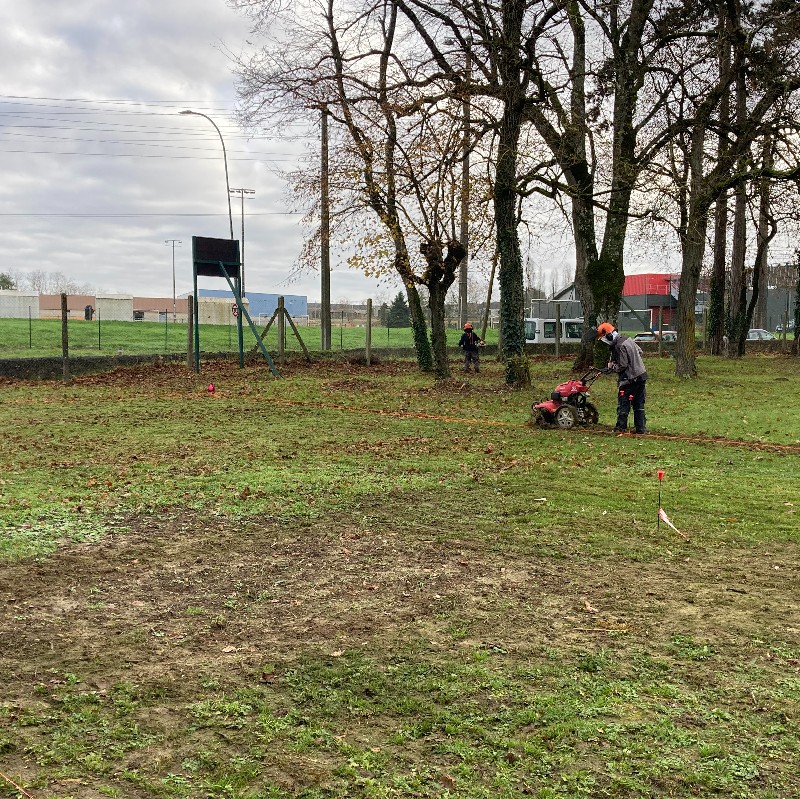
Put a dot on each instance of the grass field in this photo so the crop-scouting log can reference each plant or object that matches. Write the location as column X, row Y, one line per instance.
column 355, row 582
column 38, row 338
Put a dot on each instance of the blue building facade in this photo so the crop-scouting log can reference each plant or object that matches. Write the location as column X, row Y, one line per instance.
column 260, row 305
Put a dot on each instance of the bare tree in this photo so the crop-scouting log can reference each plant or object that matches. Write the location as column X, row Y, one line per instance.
column 703, row 174
column 402, row 154
column 623, row 97
column 43, row 282
column 716, row 303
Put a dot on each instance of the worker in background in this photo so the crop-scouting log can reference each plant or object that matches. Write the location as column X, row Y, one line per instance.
column 469, row 343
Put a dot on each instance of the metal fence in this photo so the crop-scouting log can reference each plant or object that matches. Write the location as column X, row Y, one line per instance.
column 27, row 333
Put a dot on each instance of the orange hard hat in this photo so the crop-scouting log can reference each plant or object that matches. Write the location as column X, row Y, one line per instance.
column 468, row 326
column 604, row 329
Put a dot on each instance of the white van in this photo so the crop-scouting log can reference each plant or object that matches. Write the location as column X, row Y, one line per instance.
column 543, row 331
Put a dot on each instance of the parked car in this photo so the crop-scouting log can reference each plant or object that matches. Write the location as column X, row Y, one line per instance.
column 666, row 336
column 789, row 326
column 757, row 334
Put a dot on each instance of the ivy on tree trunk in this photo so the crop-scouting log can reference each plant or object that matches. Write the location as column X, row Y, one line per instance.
column 437, row 278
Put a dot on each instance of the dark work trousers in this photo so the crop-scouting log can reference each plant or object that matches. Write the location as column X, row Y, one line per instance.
column 471, row 357
column 631, row 396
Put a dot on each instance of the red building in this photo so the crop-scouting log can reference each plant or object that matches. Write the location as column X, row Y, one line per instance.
column 644, row 298
column 652, row 295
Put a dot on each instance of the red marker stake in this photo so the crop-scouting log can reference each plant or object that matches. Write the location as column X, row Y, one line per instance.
column 658, row 514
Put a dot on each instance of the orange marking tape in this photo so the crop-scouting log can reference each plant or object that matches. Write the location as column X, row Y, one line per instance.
column 18, row 787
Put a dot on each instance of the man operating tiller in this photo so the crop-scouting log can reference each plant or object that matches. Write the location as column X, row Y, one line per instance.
column 626, row 360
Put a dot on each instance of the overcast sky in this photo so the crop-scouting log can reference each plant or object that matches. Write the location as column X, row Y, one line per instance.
column 99, row 170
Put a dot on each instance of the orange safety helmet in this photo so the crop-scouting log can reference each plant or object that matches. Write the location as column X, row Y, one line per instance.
column 468, row 326
column 604, row 330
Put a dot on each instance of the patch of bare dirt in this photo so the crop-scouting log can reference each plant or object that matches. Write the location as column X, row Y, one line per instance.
column 169, row 596
column 167, row 600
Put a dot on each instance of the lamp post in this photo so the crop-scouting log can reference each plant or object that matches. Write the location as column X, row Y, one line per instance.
column 325, row 238
column 242, row 192
column 173, row 242
column 224, row 156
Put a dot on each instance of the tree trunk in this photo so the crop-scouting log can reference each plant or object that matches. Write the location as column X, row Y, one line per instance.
column 692, row 261
column 763, row 237
column 419, row 329
column 438, row 277
column 600, row 283
column 605, row 275
column 767, row 228
column 716, row 299
column 737, row 325
column 436, row 304
column 585, row 253
column 512, row 293
column 738, row 299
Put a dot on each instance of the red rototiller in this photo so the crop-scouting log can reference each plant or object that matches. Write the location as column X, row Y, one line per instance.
column 569, row 405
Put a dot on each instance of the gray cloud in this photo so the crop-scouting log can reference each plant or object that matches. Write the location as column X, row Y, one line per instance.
column 99, row 169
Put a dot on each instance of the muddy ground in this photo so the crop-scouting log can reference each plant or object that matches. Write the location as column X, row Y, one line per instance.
column 275, row 590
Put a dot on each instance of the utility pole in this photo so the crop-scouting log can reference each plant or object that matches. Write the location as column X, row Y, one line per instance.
column 465, row 145
column 242, row 192
column 325, row 239
column 173, row 242
column 465, row 119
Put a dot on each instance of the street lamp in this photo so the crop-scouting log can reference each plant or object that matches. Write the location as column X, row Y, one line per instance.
column 325, row 236
column 242, row 192
column 173, row 242
column 225, row 157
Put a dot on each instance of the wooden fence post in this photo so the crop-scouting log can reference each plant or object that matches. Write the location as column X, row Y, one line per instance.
column 65, row 337
column 369, row 332
column 281, row 331
column 190, row 334
column 558, row 330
